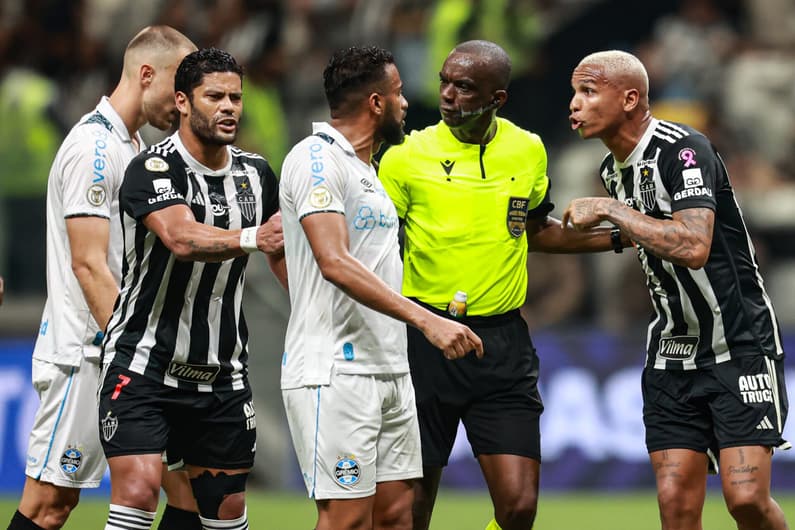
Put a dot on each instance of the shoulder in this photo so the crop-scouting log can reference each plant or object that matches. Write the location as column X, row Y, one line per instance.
column 251, row 159
column 513, row 134
column 417, row 141
column 161, row 158
column 680, row 142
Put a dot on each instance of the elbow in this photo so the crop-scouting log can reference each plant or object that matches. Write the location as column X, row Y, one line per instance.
column 696, row 260
column 331, row 268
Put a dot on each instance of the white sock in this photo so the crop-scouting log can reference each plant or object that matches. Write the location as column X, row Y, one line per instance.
column 241, row 523
column 126, row 518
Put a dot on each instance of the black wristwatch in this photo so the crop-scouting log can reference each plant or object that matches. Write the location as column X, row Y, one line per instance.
column 615, row 240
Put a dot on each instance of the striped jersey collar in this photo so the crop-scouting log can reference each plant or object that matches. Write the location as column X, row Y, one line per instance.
column 109, row 113
column 637, row 153
column 197, row 166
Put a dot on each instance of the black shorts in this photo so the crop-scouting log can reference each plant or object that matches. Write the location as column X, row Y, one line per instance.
column 495, row 397
column 138, row 415
column 735, row 403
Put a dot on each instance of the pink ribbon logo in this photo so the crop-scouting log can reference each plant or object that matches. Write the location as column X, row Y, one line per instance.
column 688, row 156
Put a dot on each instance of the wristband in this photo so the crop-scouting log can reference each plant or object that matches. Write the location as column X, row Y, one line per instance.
column 615, row 240
column 248, row 239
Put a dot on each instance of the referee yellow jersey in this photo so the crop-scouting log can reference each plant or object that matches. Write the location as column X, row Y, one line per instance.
column 465, row 207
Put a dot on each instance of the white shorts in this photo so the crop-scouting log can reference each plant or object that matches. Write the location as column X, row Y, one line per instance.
column 64, row 447
column 353, row 433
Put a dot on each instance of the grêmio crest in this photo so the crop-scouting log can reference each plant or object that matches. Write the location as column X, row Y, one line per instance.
column 517, row 215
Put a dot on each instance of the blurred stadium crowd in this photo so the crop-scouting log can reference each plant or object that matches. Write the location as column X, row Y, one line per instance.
column 724, row 66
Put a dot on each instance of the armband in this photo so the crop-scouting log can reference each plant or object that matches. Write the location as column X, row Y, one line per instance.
column 248, row 239
column 615, row 240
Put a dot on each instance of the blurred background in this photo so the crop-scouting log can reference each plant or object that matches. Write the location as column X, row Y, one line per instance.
column 726, row 67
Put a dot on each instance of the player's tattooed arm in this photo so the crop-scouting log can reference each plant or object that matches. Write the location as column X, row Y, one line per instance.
column 684, row 240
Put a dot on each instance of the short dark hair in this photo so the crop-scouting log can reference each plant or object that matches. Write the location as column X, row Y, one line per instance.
column 353, row 70
column 196, row 65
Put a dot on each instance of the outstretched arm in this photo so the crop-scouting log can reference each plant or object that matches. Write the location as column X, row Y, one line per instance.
column 191, row 240
column 684, row 240
column 328, row 237
column 549, row 235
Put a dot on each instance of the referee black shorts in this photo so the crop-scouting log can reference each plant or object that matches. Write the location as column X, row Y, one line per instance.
column 495, row 397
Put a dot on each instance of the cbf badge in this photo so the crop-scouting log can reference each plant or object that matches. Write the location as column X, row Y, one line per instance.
column 517, row 215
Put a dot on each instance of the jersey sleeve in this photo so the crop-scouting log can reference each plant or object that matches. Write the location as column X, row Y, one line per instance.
column 150, row 184
column 392, row 167
column 88, row 179
column 270, row 191
column 540, row 204
column 689, row 173
column 313, row 179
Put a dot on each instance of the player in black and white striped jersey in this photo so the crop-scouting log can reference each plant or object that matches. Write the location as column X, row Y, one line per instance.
column 175, row 356
column 713, row 384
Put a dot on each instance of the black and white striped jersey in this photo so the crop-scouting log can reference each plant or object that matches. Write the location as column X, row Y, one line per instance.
column 705, row 316
column 180, row 322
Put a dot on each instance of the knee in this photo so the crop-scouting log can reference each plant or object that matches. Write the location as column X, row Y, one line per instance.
column 220, row 496
column 748, row 506
column 677, row 504
column 518, row 511
column 55, row 515
column 140, row 494
column 397, row 515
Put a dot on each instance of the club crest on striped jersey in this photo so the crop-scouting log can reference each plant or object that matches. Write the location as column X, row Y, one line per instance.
column 246, row 200
column 516, row 218
column 646, row 186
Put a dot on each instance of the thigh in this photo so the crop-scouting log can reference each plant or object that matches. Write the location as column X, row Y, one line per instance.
column 64, row 447
column 335, row 431
column 504, row 413
column 131, row 414
column 212, row 430
column 398, row 446
column 681, row 475
column 745, row 472
column 509, row 477
column 749, row 404
column 676, row 412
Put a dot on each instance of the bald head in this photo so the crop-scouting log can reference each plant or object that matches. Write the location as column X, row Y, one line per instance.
column 491, row 57
column 620, row 69
column 156, row 45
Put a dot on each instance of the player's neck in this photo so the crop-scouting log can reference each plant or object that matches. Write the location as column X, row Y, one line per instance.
column 360, row 135
column 212, row 156
column 128, row 107
column 626, row 138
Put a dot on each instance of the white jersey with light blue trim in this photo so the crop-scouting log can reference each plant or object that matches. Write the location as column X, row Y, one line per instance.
column 84, row 181
column 716, row 313
column 328, row 330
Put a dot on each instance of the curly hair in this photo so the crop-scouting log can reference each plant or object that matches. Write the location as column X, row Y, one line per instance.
column 353, row 72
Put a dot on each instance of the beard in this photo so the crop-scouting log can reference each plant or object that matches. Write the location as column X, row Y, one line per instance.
column 204, row 129
column 391, row 130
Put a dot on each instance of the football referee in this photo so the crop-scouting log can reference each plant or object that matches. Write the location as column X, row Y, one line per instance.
column 473, row 191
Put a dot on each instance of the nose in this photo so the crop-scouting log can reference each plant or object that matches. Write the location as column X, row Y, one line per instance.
column 404, row 103
column 574, row 104
column 446, row 92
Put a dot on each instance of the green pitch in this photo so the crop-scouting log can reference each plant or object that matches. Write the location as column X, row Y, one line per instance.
column 456, row 511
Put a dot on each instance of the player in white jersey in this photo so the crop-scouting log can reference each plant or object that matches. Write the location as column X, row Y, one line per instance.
column 345, row 339
column 64, row 452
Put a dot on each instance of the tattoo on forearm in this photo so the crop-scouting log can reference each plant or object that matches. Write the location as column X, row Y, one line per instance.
column 208, row 251
column 676, row 241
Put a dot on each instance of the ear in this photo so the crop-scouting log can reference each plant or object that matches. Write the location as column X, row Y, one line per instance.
column 182, row 102
column 500, row 97
column 631, row 99
column 146, row 74
column 376, row 103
